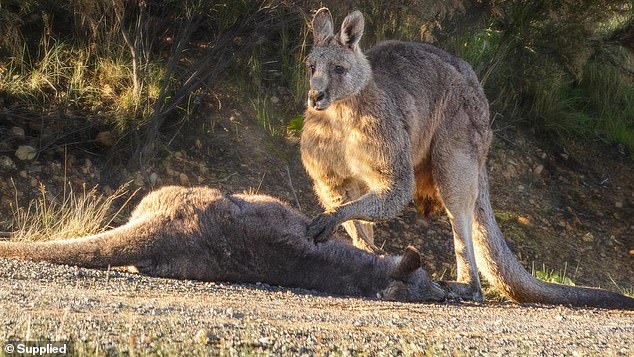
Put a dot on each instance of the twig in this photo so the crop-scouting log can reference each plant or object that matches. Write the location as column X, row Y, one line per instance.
column 260, row 184
column 290, row 183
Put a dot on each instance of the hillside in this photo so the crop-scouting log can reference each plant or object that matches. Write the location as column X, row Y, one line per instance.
column 565, row 212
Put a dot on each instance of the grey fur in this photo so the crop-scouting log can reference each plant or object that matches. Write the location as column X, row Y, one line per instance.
column 199, row 233
column 408, row 120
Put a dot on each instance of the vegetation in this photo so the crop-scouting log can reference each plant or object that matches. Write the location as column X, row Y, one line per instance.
column 552, row 276
column 135, row 68
column 73, row 214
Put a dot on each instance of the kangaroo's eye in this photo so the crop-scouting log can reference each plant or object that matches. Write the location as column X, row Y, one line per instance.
column 340, row 70
column 312, row 68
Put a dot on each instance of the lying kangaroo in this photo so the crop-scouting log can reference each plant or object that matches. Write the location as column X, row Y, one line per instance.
column 409, row 120
column 199, row 233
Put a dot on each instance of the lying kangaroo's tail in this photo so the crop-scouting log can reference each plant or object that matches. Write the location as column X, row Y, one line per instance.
column 110, row 248
column 500, row 267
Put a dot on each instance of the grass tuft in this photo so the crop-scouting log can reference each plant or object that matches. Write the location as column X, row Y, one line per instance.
column 71, row 215
column 552, row 276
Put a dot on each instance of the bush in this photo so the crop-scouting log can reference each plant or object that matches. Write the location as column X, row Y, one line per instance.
column 563, row 68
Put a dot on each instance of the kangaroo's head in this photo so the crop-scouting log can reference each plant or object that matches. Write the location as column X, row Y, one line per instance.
column 410, row 282
column 338, row 68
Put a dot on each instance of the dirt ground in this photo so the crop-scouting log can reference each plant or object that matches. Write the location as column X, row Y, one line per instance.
column 567, row 211
column 111, row 313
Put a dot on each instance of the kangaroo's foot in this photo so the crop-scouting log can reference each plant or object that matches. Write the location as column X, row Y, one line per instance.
column 462, row 291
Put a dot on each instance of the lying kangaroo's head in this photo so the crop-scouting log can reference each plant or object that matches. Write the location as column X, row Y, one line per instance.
column 410, row 282
column 338, row 69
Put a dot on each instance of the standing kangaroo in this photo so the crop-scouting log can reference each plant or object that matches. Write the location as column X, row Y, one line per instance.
column 198, row 233
column 409, row 120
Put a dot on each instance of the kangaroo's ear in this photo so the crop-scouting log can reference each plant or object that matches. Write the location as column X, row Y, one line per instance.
column 322, row 26
column 352, row 30
column 410, row 261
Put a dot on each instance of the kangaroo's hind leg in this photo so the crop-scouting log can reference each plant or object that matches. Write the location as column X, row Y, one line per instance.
column 455, row 167
column 362, row 234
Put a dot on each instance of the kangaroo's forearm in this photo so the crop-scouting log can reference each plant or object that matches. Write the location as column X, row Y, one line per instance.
column 376, row 205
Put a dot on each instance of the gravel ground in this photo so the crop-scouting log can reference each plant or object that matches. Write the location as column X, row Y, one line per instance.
column 115, row 312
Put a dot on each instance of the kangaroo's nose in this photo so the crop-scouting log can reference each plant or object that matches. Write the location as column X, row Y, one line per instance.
column 320, row 96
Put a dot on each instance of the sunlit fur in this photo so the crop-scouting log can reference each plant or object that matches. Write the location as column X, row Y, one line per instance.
column 410, row 121
column 199, row 233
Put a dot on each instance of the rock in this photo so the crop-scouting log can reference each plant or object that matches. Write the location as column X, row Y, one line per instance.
column 618, row 204
column 154, row 179
column 6, row 163
column 23, row 174
column 538, row 170
column 138, row 180
column 523, row 220
column 25, row 152
column 105, row 138
column 183, row 179
column 18, row 132
column 275, row 100
column 588, row 237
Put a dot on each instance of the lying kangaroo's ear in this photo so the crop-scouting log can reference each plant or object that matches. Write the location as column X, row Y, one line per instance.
column 352, row 30
column 410, row 261
column 322, row 26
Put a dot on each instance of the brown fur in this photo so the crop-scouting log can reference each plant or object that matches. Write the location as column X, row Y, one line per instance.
column 199, row 233
column 402, row 121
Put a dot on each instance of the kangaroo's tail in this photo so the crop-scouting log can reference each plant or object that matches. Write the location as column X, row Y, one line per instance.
column 500, row 267
column 110, row 248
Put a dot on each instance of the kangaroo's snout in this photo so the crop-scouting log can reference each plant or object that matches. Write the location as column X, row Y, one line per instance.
column 317, row 99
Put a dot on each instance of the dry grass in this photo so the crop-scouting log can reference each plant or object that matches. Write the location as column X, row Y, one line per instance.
column 74, row 214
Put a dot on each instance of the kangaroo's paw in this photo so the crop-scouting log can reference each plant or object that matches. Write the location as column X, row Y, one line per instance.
column 462, row 291
column 322, row 228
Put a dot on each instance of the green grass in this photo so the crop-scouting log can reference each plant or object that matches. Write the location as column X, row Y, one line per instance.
column 599, row 107
column 552, row 276
column 263, row 109
column 296, row 123
column 64, row 74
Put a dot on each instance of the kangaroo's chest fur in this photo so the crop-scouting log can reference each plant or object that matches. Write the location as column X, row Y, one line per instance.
column 336, row 142
column 413, row 90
